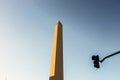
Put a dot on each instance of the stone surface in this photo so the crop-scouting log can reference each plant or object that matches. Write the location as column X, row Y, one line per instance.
column 56, row 69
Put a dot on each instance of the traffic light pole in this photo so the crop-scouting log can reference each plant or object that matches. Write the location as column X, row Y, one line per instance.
column 96, row 60
column 109, row 56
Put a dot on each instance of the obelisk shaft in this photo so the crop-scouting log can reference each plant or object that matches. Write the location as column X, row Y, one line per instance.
column 56, row 70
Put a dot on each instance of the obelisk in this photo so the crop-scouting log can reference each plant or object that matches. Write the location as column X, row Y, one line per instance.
column 56, row 69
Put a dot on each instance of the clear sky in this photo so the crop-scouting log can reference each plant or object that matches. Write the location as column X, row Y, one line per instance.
column 89, row 27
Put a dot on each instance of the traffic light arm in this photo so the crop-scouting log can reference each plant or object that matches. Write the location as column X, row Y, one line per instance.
column 109, row 56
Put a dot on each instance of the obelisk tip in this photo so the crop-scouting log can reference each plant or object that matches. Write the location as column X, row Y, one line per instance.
column 59, row 23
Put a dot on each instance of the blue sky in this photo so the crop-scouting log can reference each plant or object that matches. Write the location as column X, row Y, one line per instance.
column 89, row 27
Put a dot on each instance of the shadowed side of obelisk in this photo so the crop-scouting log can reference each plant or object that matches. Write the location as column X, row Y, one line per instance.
column 56, row 70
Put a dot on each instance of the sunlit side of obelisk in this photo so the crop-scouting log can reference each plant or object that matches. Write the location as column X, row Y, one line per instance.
column 56, row 69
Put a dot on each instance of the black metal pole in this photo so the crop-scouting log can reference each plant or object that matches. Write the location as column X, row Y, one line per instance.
column 109, row 56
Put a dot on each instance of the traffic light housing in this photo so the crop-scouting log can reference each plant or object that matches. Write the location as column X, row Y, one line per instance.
column 95, row 59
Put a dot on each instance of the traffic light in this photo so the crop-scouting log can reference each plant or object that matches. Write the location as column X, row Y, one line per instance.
column 95, row 59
